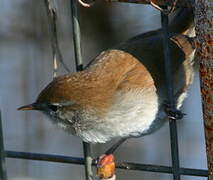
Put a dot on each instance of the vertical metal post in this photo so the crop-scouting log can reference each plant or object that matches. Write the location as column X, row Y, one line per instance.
column 3, row 175
column 88, row 161
column 169, row 80
column 76, row 35
column 79, row 67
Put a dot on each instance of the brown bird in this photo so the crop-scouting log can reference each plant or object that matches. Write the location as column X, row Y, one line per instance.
column 121, row 93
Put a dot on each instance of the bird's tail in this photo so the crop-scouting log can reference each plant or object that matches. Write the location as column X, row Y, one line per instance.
column 181, row 20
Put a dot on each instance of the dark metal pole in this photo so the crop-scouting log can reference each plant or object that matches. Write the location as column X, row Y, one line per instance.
column 3, row 175
column 79, row 67
column 170, row 95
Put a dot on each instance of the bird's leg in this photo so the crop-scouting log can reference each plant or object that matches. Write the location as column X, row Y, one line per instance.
column 112, row 149
column 172, row 112
column 106, row 162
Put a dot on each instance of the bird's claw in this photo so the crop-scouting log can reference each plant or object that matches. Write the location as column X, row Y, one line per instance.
column 173, row 113
column 106, row 166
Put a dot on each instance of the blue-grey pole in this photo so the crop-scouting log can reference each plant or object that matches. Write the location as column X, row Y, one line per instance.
column 3, row 175
column 79, row 67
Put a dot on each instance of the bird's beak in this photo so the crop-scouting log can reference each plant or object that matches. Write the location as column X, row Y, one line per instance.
column 33, row 106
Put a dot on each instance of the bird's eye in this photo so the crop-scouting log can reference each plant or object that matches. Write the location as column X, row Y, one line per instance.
column 53, row 107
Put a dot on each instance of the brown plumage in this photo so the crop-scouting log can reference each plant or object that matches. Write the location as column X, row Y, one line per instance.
column 113, row 71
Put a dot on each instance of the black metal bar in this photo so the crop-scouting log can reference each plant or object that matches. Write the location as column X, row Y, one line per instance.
column 120, row 165
column 45, row 157
column 194, row 172
column 169, row 80
column 3, row 174
column 174, row 149
column 167, row 59
column 79, row 67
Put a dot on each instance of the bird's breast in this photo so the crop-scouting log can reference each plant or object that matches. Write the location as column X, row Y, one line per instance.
column 131, row 114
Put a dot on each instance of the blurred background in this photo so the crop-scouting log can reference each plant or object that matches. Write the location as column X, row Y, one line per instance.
column 26, row 67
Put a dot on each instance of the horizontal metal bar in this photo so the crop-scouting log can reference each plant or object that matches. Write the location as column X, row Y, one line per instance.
column 193, row 172
column 45, row 157
column 144, row 167
column 120, row 165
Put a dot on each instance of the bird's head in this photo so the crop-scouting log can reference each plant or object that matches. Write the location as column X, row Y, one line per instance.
column 53, row 100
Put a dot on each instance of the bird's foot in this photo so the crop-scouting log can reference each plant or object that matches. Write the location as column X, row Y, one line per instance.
column 172, row 113
column 106, row 167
